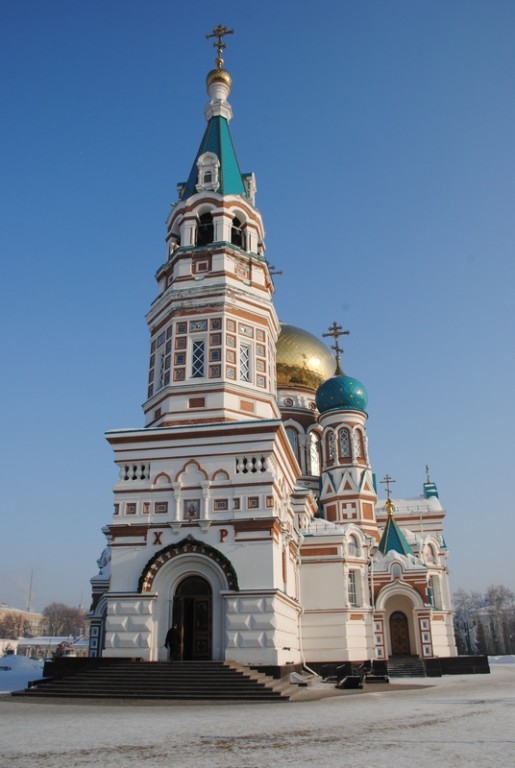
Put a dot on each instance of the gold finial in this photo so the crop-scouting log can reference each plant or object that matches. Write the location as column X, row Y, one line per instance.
column 389, row 503
column 220, row 31
column 336, row 331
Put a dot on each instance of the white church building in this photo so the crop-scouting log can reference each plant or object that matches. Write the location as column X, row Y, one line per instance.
column 245, row 509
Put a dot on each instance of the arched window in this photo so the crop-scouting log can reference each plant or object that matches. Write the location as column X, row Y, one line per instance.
column 396, row 571
column 353, row 546
column 359, row 446
column 205, row 229
column 294, row 440
column 208, row 165
column 430, row 554
column 344, row 443
column 314, row 453
column 237, row 233
column 174, row 237
column 330, row 447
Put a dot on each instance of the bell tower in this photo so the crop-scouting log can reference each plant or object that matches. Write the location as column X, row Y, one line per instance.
column 213, row 326
column 207, row 495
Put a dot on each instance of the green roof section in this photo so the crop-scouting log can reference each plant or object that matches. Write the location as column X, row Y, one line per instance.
column 217, row 139
column 393, row 538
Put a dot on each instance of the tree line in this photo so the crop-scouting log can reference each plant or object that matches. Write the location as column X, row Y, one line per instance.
column 59, row 620
column 484, row 622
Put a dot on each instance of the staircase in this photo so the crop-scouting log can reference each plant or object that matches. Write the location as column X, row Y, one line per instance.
column 406, row 666
column 182, row 680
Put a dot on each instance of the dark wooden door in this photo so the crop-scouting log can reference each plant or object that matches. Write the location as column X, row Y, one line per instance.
column 399, row 634
column 192, row 612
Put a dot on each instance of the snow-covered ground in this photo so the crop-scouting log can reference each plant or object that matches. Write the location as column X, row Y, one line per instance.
column 453, row 722
column 16, row 671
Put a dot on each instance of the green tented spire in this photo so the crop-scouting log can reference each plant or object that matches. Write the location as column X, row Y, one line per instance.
column 393, row 538
column 217, row 139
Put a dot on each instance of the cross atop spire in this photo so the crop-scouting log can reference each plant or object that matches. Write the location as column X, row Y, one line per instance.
column 335, row 331
column 220, row 31
column 387, row 480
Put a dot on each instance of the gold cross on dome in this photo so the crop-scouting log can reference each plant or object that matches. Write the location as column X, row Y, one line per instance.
column 336, row 331
column 220, row 31
column 387, row 480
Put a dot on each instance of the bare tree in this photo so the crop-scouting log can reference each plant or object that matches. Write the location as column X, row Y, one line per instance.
column 500, row 602
column 64, row 620
column 13, row 625
column 485, row 622
column 466, row 605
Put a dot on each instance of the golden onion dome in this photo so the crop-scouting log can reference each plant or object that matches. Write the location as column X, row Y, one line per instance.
column 302, row 359
column 219, row 75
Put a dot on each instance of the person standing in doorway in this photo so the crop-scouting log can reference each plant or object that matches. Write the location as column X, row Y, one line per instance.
column 173, row 642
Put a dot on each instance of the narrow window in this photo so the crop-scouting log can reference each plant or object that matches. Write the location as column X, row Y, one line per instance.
column 160, row 372
column 433, row 592
column 294, row 440
column 331, row 448
column 359, row 451
column 344, row 443
column 245, row 362
column 314, row 453
column 198, row 359
column 352, row 589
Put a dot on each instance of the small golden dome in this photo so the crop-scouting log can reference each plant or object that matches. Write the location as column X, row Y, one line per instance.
column 302, row 359
column 219, row 75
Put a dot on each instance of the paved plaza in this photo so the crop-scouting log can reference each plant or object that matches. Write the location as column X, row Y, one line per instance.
column 451, row 721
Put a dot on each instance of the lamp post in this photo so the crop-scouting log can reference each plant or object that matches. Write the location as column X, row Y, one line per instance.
column 372, row 549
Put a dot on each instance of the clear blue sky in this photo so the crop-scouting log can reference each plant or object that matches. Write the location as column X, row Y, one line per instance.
column 382, row 135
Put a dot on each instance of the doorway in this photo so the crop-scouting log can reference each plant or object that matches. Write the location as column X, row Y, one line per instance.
column 192, row 613
column 399, row 634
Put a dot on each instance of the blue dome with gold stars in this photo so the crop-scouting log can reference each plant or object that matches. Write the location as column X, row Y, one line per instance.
column 342, row 393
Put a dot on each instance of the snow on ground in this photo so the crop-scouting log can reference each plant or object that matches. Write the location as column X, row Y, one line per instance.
column 16, row 671
column 454, row 721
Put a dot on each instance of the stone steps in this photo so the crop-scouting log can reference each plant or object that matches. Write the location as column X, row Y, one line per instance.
column 406, row 666
column 163, row 680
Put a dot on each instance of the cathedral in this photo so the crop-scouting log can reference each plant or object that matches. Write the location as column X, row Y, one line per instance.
column 245, row 512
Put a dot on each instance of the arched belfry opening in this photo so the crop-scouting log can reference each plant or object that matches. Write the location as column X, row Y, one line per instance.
column 192, row 614
column 205, row 229
column 237, row 233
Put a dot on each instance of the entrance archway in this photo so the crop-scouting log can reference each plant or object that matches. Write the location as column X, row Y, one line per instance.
column 192, row 613
column 399, row 634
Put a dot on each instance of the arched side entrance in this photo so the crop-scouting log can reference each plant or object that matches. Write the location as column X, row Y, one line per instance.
column 399, row 634
column 189, row 581
column 398, row 604
column 192, row 615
